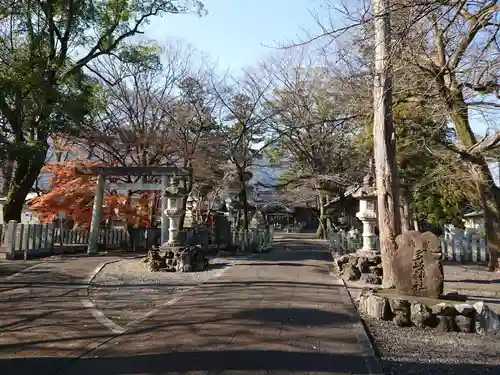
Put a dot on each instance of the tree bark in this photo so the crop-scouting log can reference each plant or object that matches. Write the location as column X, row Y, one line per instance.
column 321, row 231
column 6, row 170
column 489, row 192
column 27, row 166
column 385, row 142
column 490, row 196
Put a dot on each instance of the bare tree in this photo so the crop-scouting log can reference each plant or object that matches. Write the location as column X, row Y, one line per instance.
column 315, row 128
column 135, row 125
column 452, row 47
column 244, row 128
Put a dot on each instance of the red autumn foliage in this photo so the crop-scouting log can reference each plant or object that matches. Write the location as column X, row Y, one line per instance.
column 74, row 194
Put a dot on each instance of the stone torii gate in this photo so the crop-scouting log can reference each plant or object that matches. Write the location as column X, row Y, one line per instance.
column 169, row 175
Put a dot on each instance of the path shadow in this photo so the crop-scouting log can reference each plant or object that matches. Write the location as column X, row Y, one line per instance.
column 473, row 281
column 294, row 316
column 248, row 362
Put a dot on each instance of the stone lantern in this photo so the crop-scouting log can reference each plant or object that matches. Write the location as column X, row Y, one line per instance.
column 232, row 209
column 174, row 211
column 474, row 224
column 367, row 210
column 190, row 207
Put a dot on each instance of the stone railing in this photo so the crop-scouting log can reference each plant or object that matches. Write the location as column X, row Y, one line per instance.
column 462, row 249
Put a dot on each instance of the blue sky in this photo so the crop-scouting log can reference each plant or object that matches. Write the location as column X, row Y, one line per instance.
column 235, row 33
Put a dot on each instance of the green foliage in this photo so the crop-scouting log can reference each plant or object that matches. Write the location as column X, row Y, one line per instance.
column 45, row 84
column 428, row 171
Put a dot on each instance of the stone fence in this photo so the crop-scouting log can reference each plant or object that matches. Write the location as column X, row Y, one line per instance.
column 27, row 241
column 462, row 249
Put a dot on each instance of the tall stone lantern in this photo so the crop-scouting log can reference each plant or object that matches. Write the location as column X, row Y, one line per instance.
column 232, row 208
column 174, row 194
column 367, row 214
column 474, row 224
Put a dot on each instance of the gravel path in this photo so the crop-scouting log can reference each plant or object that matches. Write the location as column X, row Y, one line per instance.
column 420, row 351
column 126, row 290
column 412, row 350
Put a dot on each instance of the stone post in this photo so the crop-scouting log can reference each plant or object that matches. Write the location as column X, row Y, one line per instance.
column 367, row 212
column 10, row 240
column 96, row 216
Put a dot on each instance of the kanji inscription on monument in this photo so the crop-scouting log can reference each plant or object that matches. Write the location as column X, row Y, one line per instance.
column 418, row 270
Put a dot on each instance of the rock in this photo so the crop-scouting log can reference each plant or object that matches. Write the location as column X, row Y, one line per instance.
column 400, row 306
column 446, row 324
column 401, row 310
column 363, row 265
column 176, row 259
column 351, row 274
column 370, row 278
column 454, row 296
column 154, row 262
column 465, row 324
column 376, row 270
column 465, row 310
column 401, row 320
column 343, row 259
column 418, row 270
column 420, row 314
column 375, row 306
column 444, row 309
column 487, row 322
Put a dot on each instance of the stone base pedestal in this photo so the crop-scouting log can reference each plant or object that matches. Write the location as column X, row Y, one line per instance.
column 173, row 258
column 367, row 253
column 362, row 265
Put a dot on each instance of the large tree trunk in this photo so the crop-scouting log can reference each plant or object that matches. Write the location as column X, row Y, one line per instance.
column 188, row 183
column 385, row 142
column 321, row 231
column 490, row 196
column 489, row 192
column 27, row 166
column 6, row 170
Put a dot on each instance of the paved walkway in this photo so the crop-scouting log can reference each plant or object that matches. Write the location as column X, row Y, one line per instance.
column 281, row 313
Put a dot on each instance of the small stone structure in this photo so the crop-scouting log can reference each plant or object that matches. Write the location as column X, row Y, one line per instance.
column 442, row 315
column 366, row 263
column 359, row 266
column 367, row 214
column 176, row 259
column 417, row 265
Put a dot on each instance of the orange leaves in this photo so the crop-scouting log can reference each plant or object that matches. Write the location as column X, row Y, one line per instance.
column 74, row 194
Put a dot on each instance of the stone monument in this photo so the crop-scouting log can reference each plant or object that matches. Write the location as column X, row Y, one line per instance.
column 417, row 265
